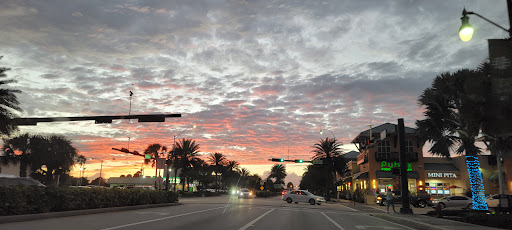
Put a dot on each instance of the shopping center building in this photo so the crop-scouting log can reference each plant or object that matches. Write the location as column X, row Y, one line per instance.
column 439, row 176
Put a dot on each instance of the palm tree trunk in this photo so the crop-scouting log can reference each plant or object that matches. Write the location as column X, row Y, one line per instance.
column 476, row 182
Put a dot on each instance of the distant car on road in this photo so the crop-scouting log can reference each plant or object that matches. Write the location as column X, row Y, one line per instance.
column 463, row 202
column 144, row 187
column 10, row 181
column 245, row 193
column 302, row 196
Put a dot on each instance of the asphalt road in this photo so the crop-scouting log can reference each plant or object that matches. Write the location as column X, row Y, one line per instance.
column 220, row 213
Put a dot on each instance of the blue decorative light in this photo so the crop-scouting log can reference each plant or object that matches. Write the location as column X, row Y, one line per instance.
column 476, row 182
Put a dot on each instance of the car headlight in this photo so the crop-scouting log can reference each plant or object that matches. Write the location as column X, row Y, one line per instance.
column 250, row 194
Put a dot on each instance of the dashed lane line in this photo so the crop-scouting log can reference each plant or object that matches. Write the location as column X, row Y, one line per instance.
column 255, row 220
column 159, row 219
column 333, row 222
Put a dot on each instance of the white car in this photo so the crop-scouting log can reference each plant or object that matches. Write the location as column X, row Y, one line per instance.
column 493, row 201
column 302, row 196
column 245, row 193
column 463, row 202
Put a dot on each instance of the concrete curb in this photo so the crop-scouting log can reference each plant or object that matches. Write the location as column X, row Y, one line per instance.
column 39, row 216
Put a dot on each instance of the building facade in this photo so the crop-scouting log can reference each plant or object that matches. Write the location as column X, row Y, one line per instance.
column 379, row 151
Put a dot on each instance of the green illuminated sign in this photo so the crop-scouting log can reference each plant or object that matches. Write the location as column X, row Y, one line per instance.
column 147, row 157
column 385, row 166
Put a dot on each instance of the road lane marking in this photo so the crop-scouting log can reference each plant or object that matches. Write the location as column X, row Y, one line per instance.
column 350, row 208
column 399, row 224
column 163, row 218
column 333, row 222
column 377, row 227
column 254, row 221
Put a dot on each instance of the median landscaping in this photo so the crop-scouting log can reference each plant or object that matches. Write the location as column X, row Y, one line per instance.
column 31, row 200
column 484, row 218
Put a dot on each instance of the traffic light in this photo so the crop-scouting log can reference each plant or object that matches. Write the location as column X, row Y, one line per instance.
column 299, row 161
column 278, row 159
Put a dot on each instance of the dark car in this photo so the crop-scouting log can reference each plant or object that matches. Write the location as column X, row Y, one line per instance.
column 421, row 200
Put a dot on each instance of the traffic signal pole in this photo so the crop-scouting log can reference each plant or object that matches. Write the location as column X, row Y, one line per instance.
column 404, row 183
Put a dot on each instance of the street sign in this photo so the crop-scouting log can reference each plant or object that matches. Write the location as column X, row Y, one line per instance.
column 278, row 186
column 261, row 188
column 318, row 162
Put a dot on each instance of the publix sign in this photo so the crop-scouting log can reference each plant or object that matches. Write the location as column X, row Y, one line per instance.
column 387, row 166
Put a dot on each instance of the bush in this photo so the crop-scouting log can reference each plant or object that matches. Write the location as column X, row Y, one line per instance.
column 359, row 196
column 267, row 193
column 484, row 218
column 30, row 200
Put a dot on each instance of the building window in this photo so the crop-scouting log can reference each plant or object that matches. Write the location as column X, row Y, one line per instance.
column 409, row 148
column 439, row 189
column 384, row 147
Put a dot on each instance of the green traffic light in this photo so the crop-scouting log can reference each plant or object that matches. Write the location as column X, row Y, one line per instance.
column 282, row 160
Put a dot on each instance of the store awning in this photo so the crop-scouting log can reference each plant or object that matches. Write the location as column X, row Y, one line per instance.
column 445, row 167
column 361, row 176
column 388, row 175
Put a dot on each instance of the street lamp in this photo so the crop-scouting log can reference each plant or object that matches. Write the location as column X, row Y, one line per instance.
column 174, row 159
column 466, row 30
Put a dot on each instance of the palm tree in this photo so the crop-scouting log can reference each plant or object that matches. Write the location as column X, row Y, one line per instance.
column 217, row 161
column 21, row 144
column 278, row 172
column 329, row 150
column 453, row 121
column 186, row 152
column 8, row 104
column 244, row 174
column 80, row 160
column 155, row 151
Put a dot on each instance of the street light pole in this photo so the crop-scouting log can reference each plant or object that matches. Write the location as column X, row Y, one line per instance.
column 466, row 31
column 101, row 168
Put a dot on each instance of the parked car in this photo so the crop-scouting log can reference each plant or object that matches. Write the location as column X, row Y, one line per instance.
column 144, row 187
column 493, row 201
column 10, row 180
column 421, row 200
column 245, row 193
column 463, row 202
column 302, row 196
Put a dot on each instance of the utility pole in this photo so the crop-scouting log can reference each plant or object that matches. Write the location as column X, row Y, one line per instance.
column 404, row 183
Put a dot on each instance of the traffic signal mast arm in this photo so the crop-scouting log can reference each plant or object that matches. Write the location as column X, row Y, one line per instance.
column 128, row 151
column 315, row 162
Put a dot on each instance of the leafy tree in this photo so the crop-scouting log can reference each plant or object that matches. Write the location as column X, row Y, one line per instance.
column 230, row 176
column 8, row 104
column 51, row 157
column 453, row 120
column 103, row 182
column 244, row 174
column 253, row 181
column 217, row 161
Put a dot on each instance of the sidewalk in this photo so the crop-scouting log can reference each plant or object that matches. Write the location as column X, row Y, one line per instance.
column 415, row 221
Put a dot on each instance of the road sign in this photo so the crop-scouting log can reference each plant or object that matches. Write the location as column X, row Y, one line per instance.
column 278, row 186
column 261, row 188
column 318, row 162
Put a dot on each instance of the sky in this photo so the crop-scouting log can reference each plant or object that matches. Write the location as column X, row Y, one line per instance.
column 259, row 79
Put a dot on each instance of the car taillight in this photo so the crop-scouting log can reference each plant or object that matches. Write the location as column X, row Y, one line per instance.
column 431, row 198
column 379, row 198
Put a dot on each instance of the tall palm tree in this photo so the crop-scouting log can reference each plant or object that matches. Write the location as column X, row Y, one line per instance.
column 278, row 172
column 8, row 104
column 186, row 151
column 454, row 117
column 217, row 160
column 329, row 150
column 244, row 174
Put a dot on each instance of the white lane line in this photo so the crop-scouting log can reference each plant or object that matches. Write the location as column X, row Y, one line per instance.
column 349, row 208
column 159, row 219
column 403, row 226
column 333, row 222
column 254, row 221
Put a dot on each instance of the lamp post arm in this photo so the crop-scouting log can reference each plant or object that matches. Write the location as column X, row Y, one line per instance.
column 486, row 19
